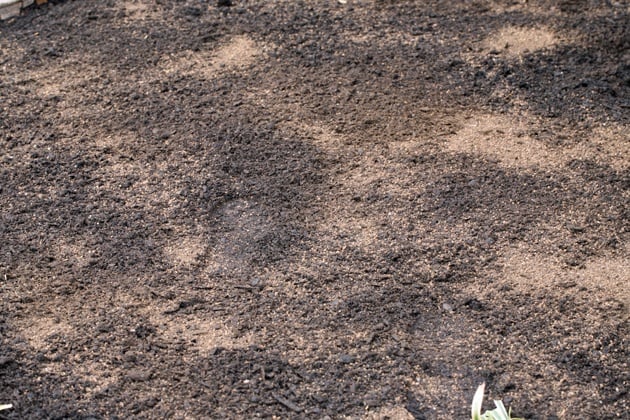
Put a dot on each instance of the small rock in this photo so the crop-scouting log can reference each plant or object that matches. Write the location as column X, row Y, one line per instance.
column 104, row 327
column 447, row 307
column 143, row 331
column 192, row 11
column 575, row 228
column 346, row 358
column 151, row 402
column 41, row 357
column 138, row 375
column 473, row 303
column 5, row 361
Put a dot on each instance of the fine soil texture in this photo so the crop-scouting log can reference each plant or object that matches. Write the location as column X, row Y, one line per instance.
column 314, row 209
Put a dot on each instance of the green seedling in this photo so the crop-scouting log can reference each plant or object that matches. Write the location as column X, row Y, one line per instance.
column 499, row 413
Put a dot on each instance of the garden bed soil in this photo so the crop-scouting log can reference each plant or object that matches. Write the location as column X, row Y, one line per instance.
column 314, row 209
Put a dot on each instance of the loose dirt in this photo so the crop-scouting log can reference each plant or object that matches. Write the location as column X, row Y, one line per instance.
column 309, row 209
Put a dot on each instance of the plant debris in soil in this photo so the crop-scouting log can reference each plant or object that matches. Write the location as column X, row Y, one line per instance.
column 314, row 209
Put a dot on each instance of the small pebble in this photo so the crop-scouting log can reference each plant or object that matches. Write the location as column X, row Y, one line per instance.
column 139, row 375
column 346, row 358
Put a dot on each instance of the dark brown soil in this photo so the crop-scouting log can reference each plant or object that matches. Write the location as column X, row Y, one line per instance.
column 309, row 209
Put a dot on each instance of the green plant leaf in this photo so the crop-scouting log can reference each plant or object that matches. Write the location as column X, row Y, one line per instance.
column 499, row 413
column 477, row 402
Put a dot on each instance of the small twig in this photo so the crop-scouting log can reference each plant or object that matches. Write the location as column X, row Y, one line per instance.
column 288, row 404
column 183, row 305
column 301, row 281
column 155, row 294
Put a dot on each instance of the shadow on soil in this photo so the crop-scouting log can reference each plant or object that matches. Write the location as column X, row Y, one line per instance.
column 285, row 230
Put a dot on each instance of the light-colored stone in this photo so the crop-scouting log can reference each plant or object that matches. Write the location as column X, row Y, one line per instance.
column 9, row 8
